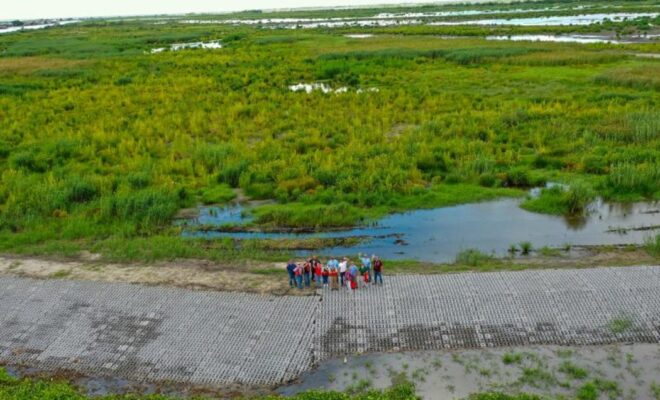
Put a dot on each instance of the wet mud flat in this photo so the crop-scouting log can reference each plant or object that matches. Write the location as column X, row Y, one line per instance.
column 214, row 339
column 621, row 371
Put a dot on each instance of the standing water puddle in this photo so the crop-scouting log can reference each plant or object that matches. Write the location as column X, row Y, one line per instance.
column 586, row 19
column 574, row 38
column 437, row 235
column 551, row 371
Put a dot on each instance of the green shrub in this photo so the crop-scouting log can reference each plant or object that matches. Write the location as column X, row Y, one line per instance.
column 652, row 245
column 620, row 324
column 626, row 179
column 217, row 194
column 525, row 247
column 146, row 207
column 487, row 180
column 518, row 177
column 79, row 190
column 472, row 257
column 139, row 180
column 511, row 358
column 123, row 81
column 558, row 200
column 573, row 370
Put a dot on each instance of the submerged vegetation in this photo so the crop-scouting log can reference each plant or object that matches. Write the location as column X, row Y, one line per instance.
column 103, row 142
column 562, row 201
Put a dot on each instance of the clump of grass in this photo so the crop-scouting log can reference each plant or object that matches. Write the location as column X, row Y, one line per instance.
column 472, row 257
column 620, row 325
column 652, row 245
column 548, row 251
column 525, row 247
column 63, row 273
column 537, row 377
column 654, row 388
column 573, row 370
column 558, row 200
column 593, row 390
column 308, row 216
column 511, row 358
column 146, row 206
column 361, row 386
column 564, row 353
column 217, row 194
column 629, row 180
column 642, row 76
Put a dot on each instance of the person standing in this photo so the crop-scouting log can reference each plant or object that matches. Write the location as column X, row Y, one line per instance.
column 290, row 268
column 378, row 270
column 366, row 267
column 334, row 278
column 298, row 272
column 318, row 272
column 307, row 271
column 343, row 266
column 326, row 274
column 354, row 271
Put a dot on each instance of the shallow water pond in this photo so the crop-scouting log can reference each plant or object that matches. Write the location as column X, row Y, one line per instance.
column 586, row 39
column 12, row 29
column 214, row 44
column 631, row 371
column 585, row 19
column 437, row 235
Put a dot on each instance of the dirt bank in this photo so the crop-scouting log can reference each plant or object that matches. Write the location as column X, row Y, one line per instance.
column 192, row 274
column 270, row 277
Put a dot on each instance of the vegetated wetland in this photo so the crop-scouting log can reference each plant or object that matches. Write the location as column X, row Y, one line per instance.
column 104, row 140
column 437, row 235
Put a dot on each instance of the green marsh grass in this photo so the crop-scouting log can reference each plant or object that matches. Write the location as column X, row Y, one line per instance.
column 97, row 146
column 561, row 201
column 652, row 245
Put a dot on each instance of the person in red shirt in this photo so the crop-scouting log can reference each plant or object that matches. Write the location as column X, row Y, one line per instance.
column 318, row 272
column 378, row 270
column 298, row 273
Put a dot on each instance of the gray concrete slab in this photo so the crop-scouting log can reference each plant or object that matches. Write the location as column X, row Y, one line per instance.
column 210, row 338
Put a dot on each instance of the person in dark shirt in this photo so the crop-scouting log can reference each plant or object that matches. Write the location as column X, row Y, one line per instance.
column 290, row 268
column 378, row 270
column 307, row 274
column 326, row 273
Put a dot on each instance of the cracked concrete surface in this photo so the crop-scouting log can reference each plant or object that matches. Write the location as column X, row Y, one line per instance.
column 210, row 338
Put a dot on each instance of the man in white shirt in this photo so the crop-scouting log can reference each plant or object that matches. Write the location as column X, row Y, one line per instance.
column 343, row 265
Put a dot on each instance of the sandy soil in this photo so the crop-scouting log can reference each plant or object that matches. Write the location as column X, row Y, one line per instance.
column 191, row 274
column 263, row 277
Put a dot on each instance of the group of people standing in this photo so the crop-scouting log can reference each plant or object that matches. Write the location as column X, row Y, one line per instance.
column 335, row 273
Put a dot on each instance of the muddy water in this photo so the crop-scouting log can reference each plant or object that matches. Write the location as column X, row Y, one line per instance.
column 437, row 235
column 454, row 375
